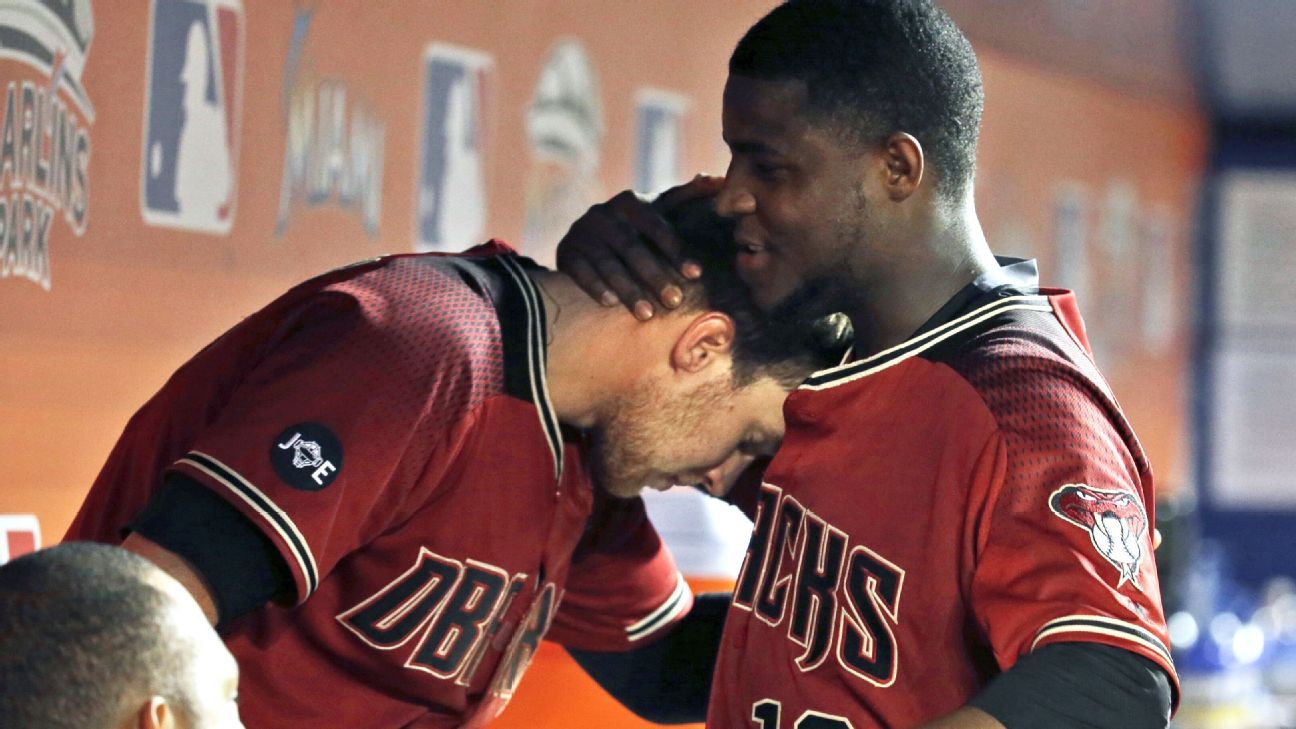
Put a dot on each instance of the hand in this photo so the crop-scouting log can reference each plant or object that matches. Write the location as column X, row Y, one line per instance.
column 623, row 251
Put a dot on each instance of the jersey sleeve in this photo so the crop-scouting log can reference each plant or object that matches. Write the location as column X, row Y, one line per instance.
column 324, row 441
column 1064, row 537
column 623, row 589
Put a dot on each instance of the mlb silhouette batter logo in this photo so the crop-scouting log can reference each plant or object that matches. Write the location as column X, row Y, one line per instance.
column 659, row 140
column 451, row 206
column 195, row 80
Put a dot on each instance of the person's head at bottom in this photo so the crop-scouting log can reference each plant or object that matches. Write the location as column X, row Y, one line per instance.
column 693, row 395
column 94, row 637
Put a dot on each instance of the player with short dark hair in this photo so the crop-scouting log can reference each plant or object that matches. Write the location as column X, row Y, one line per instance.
column 958, row 529
column 404, row 450
column 94, row 637
column 916, row 72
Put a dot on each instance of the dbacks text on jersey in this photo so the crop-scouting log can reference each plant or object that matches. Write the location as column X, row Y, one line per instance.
column 455, row 608
column 802, row 572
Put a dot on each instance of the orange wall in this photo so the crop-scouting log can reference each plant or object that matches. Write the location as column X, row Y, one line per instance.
column 127, row 302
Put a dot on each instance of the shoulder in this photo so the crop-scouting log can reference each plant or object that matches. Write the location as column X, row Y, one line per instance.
column 426, row 319
column 1040, row 384
column 1024, row 359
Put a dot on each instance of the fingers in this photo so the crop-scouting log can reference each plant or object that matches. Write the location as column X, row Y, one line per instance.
column 624, row 251
column 702, row 185
column 621, row 251
column 589, row 281
column 662, row 243
column 625, row 288
column 584, row 250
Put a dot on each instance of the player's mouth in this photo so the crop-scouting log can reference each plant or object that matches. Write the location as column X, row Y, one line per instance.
column 753, row 253
column 749, row 246
column 668, row 481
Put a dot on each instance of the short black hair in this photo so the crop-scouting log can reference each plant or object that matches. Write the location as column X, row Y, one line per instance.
column 83, row 630
column 876, row 67
column 764, row 345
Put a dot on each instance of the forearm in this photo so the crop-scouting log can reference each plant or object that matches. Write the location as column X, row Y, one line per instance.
column 669, row 680
column 229, row 566
column 1071, row 686
column 176, row 566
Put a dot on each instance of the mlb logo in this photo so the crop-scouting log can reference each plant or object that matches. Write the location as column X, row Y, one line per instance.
column 192, row 103
column 19, row 535
column 450, row 210
column 659, row 140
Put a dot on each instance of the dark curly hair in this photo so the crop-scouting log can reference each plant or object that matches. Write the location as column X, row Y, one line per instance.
column 764, row 345
column 876, row 67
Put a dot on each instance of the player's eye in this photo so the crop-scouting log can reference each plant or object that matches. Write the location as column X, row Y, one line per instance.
column 768, row 171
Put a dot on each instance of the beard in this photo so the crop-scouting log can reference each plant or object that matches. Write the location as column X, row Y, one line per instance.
column 639, row 436
column 816, row 298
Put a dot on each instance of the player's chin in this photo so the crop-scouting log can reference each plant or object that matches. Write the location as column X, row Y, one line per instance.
column 626, row 488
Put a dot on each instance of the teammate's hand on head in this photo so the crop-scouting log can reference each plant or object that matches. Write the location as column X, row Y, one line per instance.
column 623, row 251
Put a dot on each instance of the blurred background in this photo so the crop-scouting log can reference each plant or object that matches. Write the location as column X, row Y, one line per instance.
column 168, row 167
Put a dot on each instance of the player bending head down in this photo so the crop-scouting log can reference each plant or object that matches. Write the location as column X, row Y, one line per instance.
column 679, row 397
column 94, row 637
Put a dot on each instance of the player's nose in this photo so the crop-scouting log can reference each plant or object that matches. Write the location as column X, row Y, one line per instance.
column 734, row 200
column 719, row 479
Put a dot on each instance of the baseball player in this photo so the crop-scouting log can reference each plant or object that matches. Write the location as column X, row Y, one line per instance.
column 380, row 486
column 957, row 530
column 94, row 636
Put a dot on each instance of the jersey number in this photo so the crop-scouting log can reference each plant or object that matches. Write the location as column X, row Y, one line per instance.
column 767, row 713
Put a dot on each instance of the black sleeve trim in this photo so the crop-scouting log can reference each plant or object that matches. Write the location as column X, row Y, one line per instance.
column 669, row 680
column 239, row 564
column 1075, row 685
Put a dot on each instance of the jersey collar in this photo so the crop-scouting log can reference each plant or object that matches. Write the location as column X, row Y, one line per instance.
column 1012, row 286
column 524, row 329
column 1013, row 277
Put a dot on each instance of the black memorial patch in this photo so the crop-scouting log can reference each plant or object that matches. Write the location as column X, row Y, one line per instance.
column 307, row 456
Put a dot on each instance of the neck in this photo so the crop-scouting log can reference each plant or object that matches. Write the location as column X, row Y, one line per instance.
column 591, row 355
column 936, row 258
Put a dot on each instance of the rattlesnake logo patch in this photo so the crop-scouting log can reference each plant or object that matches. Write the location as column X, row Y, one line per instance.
column 1115, row 521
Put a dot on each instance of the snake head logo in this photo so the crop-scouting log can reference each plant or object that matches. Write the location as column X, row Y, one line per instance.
column 1115, row 521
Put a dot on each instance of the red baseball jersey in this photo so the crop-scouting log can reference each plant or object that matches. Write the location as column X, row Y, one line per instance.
column 937, row 511
column 388, row 427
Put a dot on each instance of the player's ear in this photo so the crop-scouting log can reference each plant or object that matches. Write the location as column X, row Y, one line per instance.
column 156, row 713
column 708, row 338
column 904, row 162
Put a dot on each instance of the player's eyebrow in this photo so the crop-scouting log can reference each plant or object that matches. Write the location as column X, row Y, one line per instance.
column 743, row 146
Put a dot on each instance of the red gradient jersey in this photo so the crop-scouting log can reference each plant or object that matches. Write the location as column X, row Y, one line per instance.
column 937, row 511
column 388, row 427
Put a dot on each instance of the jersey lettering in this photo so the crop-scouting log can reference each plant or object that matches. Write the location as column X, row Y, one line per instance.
column 458, row 629
column 774, row 586
column 390, row 618
column 842, row 602
column 754, row 561
column 452, row 606
column 493, row 630
column 867, row 647
column 815, row 603
column 525, row 643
